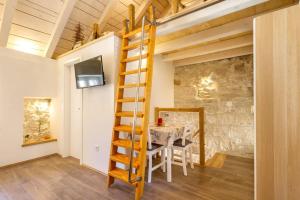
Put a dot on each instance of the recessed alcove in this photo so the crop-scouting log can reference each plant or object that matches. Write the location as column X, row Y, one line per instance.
column 36, row 125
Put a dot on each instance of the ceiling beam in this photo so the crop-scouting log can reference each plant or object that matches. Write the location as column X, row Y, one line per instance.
column 234, row 42
column 59, row 27
column 234, row 28
column 215, row 56
column 142, row 10
column 107, row 13
column 6, row 20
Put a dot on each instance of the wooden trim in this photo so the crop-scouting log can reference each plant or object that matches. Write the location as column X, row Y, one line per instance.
column 200, row 110
column 30, row 160
column 39, row 142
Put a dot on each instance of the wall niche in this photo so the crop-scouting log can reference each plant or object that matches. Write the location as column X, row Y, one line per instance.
column 36, row 123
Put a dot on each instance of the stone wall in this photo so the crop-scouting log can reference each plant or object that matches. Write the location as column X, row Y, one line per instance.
column 225, row 89
column 36, row 119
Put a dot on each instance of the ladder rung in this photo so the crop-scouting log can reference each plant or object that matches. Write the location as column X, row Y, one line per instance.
column 135, row 45
column 128, row 129
column 129, row 100
column 128, row 114
column 133, row 72
column 126, row 144
column 122, row 175
column 134, row 58
column 136, row 31
column 133, row 85
column 122, row 158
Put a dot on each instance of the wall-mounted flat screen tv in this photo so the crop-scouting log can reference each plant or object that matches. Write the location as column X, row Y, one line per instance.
column 89, row 73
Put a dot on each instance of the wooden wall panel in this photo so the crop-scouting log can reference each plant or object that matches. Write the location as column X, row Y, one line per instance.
column 277, row 54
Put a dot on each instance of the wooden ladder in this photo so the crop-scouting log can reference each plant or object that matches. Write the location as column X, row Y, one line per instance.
column 137, row 146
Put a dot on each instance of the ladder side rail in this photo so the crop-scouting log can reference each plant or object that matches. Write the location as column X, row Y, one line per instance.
column 119, row 95
column 145, row 122
column 136, row 103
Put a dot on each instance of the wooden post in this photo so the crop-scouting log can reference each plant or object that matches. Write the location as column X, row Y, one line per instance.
column 151, row 13
column 95, row 31
column 175, row 6
column 131, row 9
column 202, row 138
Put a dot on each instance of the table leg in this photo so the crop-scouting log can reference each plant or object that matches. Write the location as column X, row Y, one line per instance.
column 169, row 164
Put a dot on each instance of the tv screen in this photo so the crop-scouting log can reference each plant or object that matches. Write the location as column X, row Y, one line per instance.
column 89, row 73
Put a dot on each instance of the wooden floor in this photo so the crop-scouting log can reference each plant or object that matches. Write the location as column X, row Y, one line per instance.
column 57, row 178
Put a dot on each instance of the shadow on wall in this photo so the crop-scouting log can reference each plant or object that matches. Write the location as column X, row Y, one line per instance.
column 225, row 89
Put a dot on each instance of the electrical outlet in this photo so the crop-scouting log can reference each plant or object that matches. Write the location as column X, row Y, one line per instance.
column 97, row 148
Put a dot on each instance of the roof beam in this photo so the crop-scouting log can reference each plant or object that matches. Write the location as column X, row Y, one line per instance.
column 242, row 51
column 142, row 10
column 59, row 27
column 6, row 20
column 106, row 14
column 234, row 28
column 234, row 42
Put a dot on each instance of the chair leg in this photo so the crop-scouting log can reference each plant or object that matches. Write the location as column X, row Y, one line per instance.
column 184, row 162
column 150, row 168
column 163, row 159
column 191, row 157
column 173, row 155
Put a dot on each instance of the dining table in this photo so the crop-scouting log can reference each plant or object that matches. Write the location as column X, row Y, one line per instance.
column 166, row 135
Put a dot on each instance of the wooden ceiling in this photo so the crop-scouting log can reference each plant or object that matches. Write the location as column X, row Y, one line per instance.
column 47, row 28
column 32, row 24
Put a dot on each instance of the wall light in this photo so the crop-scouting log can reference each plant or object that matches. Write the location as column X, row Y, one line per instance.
column 206, row 88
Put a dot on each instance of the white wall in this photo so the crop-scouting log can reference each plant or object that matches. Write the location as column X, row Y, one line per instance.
column 23, row 75
column 162, row 85
column 98, row 104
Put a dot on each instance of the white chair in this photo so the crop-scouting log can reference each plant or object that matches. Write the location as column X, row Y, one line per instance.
column 184, row 145
column 152, row 150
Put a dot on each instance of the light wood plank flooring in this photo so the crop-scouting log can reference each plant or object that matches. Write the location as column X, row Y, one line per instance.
column 55, row 178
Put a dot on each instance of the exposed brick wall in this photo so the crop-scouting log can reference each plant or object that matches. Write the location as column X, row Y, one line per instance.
column 225, row 89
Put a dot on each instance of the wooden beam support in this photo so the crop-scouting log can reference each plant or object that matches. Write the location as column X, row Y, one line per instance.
column 6, row 20
column 142, row 10
column 215, row 56
column 131, row 16
column 234, row 28
column 59, row 27
column 243, row 40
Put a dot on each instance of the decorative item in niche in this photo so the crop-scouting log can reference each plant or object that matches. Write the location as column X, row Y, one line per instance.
column 206, row 88
column 36, row 121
